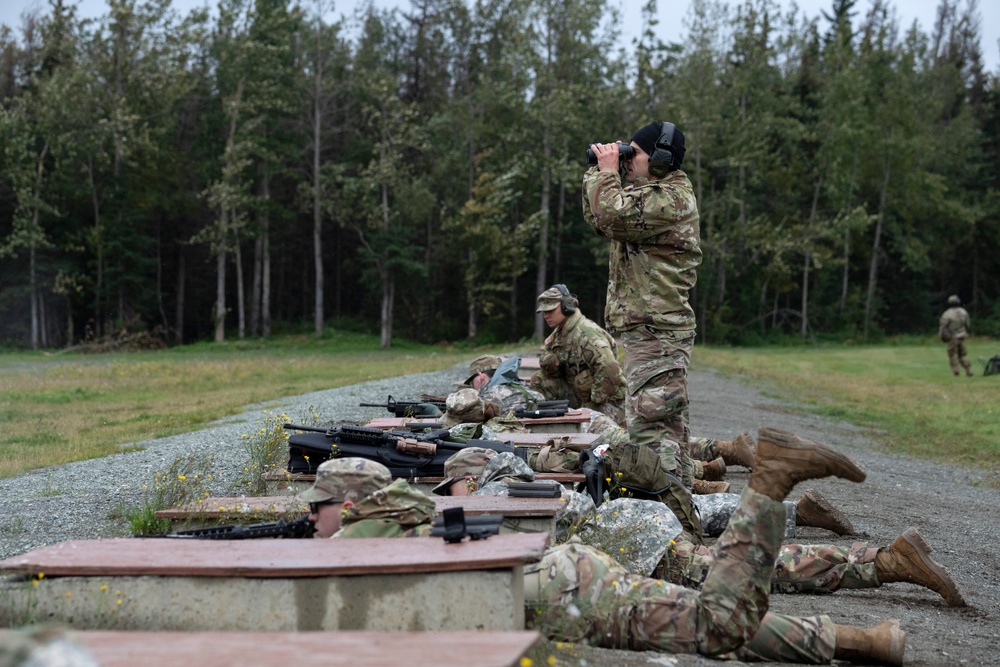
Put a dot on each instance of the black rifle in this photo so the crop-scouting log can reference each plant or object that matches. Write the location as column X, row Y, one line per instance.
column 300, row 528
column 521, row 413
column 425, row 444
column 534, row 490
column 405, row 454
column 406, row 408
column 553, row 404
column 454, row 526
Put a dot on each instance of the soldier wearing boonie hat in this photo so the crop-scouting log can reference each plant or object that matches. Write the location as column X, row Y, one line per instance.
column 340, row 481
column 463, row 407
column 460, row 467
column 485, row 363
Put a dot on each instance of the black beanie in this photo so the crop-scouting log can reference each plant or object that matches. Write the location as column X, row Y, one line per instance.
column 645, row 137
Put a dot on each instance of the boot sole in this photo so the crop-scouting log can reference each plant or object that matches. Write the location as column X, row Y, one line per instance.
column 920, row 547
column 785, row 440
column 897, row 644
column 836, row 521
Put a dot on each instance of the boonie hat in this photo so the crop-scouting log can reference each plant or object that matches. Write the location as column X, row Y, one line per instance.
column 549, row 300
column 482, row 364
column 345, row 479
column 463, row 407
column 469, row 461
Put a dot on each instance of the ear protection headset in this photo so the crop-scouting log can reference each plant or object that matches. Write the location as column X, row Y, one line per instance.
column 668, row 152
column 568, row 302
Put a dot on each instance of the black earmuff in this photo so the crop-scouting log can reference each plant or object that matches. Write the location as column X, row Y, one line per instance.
column 668, row 152
column 568, row 302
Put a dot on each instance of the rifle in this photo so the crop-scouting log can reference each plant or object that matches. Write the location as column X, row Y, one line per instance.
column 407, row 408
column 300, row 528
column 426, row 444
column 521, row 413
column 534, row 490
column 453, row 526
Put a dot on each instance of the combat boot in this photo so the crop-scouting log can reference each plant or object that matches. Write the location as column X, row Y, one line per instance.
column 908, row 560
column 784, row 459
column 702, row 487
column 883, row 644
column 713, row 470
column 813, row 509
column 739, row 451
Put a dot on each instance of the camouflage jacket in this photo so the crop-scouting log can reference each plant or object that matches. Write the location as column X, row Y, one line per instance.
column 583, row 354
column 511, row 396
column 655, row 247
column 398, row 510
column 957, row 321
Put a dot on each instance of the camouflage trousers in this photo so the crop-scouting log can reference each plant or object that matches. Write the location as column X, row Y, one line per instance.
column 703, row 449
column 957, row 356
column 780, row 638
column 656, row 364
column 799, row 568
column 579, row 593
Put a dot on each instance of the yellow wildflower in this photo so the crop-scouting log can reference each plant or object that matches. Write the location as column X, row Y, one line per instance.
column 526, row 662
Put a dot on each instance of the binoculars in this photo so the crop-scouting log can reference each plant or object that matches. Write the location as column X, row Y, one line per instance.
column 625, row 152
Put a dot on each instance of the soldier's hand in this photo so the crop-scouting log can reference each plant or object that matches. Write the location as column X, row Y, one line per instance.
column 607, row 156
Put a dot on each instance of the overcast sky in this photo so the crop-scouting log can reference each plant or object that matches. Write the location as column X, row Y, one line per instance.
column 671, row 12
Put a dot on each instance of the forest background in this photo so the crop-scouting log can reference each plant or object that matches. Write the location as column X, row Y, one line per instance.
column 258, row 169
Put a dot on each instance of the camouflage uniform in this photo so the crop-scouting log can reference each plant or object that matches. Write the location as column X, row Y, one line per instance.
column 397, row 510
column 716, row 508
column 956, row 319
column 579, row 363
column 655, row 251
column 579, row 593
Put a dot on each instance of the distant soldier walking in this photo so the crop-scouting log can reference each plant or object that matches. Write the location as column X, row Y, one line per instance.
column 953, row 330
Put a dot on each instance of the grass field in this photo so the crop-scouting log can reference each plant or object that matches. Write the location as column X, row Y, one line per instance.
column 60, row 408
column 905, row 390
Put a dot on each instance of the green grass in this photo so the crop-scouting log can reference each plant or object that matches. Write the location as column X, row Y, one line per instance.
column 905, row 391
column 68, row 407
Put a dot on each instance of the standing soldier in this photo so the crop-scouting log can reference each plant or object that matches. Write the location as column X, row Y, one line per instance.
column 579, row 362
column 655, row 252
column 954, row 329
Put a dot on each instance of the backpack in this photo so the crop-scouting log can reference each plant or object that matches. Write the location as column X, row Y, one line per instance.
column 992, row 366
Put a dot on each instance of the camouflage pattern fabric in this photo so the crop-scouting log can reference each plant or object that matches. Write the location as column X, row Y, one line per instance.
column 716, row 508
column 579, row 363
column 703, row 449
column 579, row 593
column 511, row 396
column 655, row 248
column 397, row 510
column 808, row 640
column 635, row 532
column 656, row 366
column 824, row 568
column 956, row 319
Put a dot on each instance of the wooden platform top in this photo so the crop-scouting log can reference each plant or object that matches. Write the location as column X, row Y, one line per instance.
column 305, row 649
column 189, row 557
column 222, row 508
column 283, row 476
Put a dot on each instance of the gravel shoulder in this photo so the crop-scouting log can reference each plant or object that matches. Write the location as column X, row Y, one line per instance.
column 951, row 505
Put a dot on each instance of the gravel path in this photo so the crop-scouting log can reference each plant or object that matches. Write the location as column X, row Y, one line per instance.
column 953, row 507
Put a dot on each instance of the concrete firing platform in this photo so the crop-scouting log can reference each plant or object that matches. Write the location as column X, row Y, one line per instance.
column 280, row 480
column 521, row 515
column 357, row 584
column 305, row 649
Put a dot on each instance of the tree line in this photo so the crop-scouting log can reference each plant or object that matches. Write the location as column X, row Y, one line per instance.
column 262, row 168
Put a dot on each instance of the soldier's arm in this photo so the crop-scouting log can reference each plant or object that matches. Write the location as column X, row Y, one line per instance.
column 633, row 215
column 608, row 376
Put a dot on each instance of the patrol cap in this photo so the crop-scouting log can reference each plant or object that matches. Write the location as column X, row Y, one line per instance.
column 549, row 300
column 468, row 461
column 349, row 478
column 482, row 364
column 463, row 406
